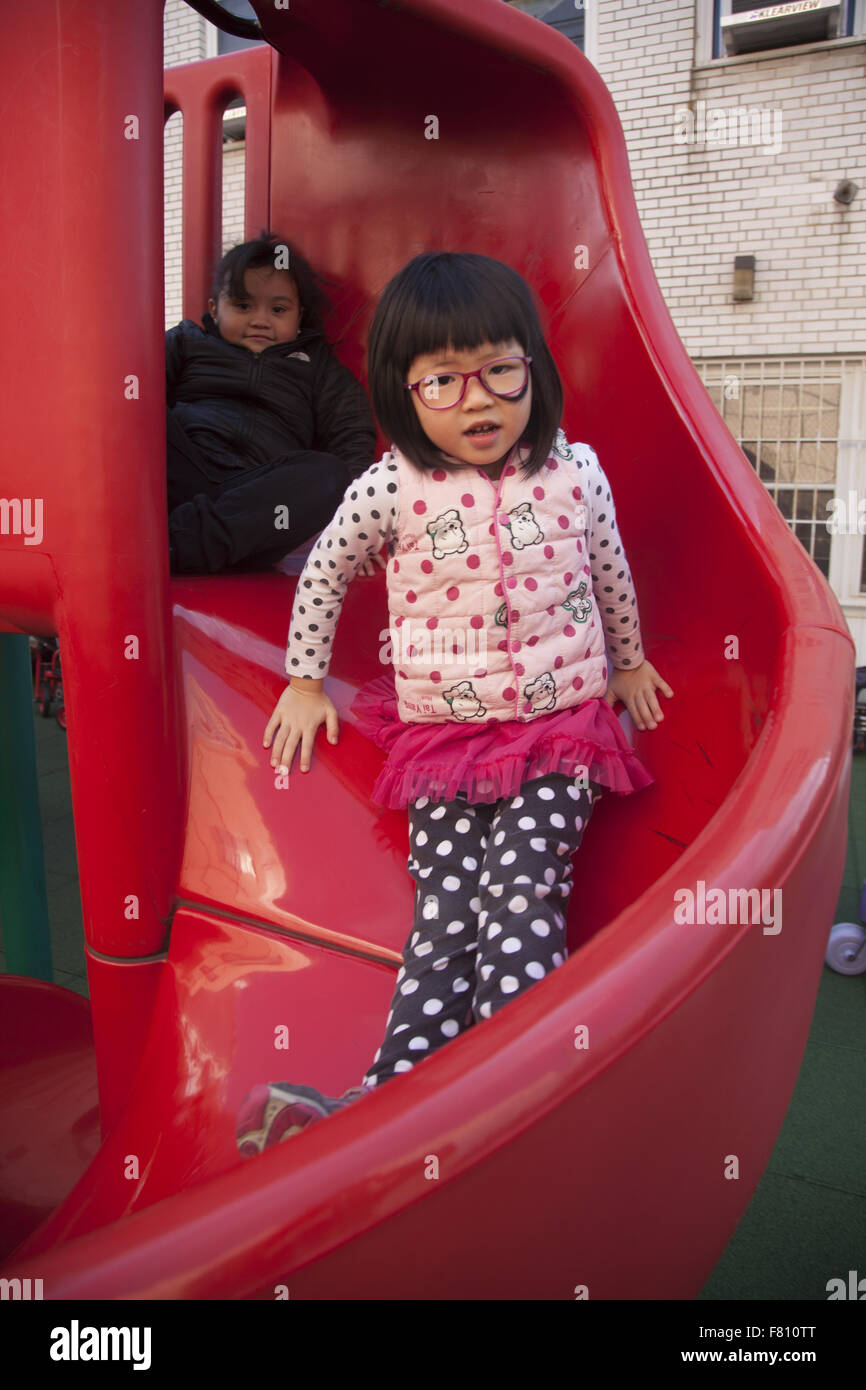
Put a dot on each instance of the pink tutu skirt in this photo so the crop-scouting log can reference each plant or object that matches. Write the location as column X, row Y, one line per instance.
column 492, row 760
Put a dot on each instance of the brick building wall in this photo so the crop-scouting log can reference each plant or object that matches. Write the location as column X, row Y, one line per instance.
column 740, row 156
column 701, row 204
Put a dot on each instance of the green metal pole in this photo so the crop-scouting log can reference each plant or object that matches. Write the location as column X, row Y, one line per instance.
column 23, row 904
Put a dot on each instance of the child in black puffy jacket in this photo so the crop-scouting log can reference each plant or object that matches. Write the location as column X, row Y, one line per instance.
column 266, row 429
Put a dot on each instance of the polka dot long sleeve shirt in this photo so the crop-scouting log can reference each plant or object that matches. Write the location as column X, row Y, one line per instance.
column 369, row 517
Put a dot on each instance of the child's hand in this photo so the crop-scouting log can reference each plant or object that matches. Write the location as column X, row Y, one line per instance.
column 637, row 690
column 369, row 568
column 295, row 720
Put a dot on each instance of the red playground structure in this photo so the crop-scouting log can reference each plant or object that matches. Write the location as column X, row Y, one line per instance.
column 581, row 1142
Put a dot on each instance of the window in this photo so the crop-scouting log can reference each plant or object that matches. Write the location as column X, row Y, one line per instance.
column 241, row 9
column 234, row 116
column 747, row 26
column 234, row 121
column 533, row 7
column 567, row 16
column 785, row 415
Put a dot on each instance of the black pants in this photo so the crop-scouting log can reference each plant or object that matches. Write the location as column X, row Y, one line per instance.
column 492, row 888
column 215, row 526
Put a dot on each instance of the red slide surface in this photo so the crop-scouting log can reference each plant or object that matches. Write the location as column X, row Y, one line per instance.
column 512, row 1163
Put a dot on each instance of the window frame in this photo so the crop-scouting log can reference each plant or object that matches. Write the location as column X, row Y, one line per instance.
column 846, row 549
column 850, row 477
column 590, row 25
column 705, row 38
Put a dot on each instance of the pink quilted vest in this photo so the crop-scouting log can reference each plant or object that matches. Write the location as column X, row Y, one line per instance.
column 491, row 608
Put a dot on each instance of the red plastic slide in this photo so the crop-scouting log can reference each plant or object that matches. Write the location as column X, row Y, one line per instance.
column 225, row 917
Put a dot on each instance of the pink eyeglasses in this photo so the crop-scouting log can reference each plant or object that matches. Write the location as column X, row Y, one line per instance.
column 442, row 390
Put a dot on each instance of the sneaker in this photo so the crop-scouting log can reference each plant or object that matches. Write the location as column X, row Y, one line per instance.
column 273, row 1112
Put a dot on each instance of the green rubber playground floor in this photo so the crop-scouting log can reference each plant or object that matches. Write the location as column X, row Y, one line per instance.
column 806, row 1223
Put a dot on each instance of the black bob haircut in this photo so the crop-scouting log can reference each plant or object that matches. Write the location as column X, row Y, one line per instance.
column 456, row 299
column 229, row 275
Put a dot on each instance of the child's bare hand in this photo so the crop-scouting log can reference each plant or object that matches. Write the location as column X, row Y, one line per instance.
column 369, row 567
column 295, row 720
column 637, row 690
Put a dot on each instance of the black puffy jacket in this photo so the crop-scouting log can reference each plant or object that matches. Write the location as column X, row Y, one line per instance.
column 243, row 408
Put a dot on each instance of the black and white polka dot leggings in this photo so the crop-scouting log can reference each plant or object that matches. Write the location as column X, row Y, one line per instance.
column 492, row 883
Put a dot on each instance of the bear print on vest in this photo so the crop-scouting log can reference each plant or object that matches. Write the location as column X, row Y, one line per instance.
column 464, row 703
column 448, row 535
column 577, row 604
column 525, row 530
column 541, row 693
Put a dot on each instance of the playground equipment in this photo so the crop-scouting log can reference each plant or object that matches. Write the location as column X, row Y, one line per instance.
column 47, row 679
column 578, row 1139
column 860, row 710
column 846, row 949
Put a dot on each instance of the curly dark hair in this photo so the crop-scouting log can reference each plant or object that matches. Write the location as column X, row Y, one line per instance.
column 228, row 278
